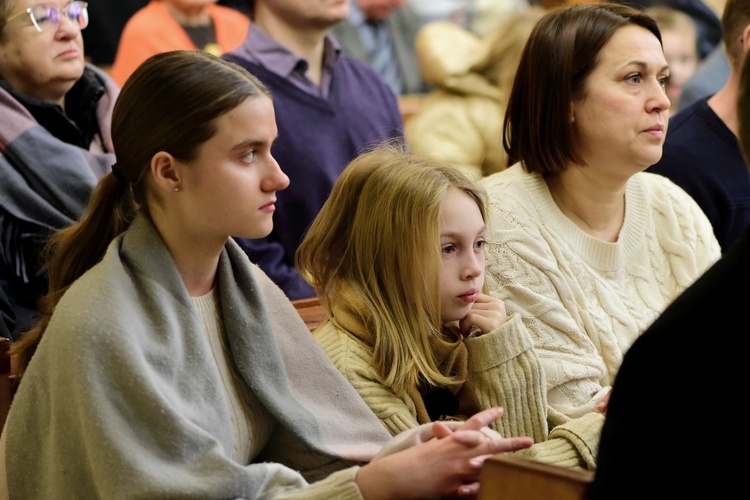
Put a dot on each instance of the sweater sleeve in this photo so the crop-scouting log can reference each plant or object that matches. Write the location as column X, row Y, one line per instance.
column 504, row 370
column 354, row 360
column 339, row 485
column 572, row 444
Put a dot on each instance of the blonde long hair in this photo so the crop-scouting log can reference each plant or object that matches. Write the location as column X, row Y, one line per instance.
column 375, row 248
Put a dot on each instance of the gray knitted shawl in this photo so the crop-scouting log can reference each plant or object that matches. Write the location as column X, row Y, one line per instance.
column 123, row 398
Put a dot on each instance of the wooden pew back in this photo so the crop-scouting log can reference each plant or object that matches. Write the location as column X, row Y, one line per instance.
column 510, row 477
column 311, row 311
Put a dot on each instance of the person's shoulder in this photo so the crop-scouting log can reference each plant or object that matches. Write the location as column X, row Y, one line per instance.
column 358, row 68
column 405, row 21
column 405, row 14
column 149, row 17
column 474, row 112
column 350, row 355
column 665, row 196
column 331, row 336
column 517, row 197
column 239, row 57
column 656, row 184
column 359, row 77
column 504, row 180
column 678, row 142
column 683, row 118
column 689, row 133
column 83, row 314
column 100, row 77
column 354, row 64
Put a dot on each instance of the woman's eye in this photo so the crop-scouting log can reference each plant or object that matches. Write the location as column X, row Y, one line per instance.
column 634, row 78
column 479, row 244
column 664, row 81
column 448, row 249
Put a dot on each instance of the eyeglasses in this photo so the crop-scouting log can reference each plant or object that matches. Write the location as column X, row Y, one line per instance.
column 48, row 16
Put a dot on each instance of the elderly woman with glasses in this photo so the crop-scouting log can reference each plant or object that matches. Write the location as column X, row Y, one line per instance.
column 55, row 142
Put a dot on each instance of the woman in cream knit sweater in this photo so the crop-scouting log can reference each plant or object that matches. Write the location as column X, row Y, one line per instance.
column 583, row 244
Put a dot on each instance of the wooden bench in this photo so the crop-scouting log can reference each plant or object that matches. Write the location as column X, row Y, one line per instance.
column 509, row 477
column 311, row 311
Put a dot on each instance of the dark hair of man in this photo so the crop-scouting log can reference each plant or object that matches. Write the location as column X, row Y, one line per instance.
column 734, row 20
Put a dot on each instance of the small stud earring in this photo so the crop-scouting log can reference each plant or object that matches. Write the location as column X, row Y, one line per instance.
column 177, row 190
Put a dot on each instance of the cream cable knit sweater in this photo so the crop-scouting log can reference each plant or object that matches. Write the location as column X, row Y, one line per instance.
column 584, row 301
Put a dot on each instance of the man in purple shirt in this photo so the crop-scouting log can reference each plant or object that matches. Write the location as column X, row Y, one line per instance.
column 329, row 109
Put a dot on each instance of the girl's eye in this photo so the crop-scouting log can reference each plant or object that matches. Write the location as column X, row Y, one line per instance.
column 448, row 249
column 479, row 244
column 249, row 156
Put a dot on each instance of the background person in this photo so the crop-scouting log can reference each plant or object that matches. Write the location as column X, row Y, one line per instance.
column 461, row 121
column 706, row 14
column 381, row 33
column 164, row 25
column 55, row 140
column 679, row 39
column 478, row 16
column 107, row 20
column 105, row 27
column 712, row 73
column 702, row 154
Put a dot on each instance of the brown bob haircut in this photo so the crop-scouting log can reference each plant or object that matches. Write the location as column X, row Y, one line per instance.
column 561, row 53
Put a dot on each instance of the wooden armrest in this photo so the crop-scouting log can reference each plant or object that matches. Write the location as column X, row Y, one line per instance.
column 510, row 477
